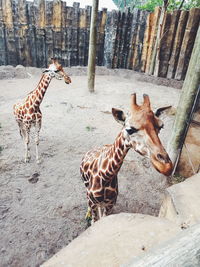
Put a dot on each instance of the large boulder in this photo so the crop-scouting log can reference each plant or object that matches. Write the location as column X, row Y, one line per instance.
column 182, row 201
column 114, row 240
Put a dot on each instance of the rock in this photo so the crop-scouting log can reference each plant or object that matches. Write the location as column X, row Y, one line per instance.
column 114, row 240
column 20, row 72
column 34, row 178
column 7, row 72
column 181, row 250
column 182, row 201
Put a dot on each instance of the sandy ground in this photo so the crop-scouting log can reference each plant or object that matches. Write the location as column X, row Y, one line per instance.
column 42, row 207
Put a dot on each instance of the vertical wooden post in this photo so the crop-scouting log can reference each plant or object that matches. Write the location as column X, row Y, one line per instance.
column 158, row 37
column 92, row 46
column 186, row 101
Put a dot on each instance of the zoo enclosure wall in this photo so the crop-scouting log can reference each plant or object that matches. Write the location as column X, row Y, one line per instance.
column 33, row 32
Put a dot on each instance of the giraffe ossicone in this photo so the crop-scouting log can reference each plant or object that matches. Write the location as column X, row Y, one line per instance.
column 100, row 166
column 27, row 112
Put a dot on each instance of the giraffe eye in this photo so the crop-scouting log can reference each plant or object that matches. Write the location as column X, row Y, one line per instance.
column 131, row 130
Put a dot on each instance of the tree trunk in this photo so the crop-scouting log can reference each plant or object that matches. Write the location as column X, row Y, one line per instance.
column 92, row 46
column 186, row 101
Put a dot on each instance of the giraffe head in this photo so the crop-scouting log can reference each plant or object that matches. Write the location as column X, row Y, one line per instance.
column 141, row 131
column 56, row 70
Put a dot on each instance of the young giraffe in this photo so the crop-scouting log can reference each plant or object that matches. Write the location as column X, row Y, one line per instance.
column 27, row 113
column 99, row 167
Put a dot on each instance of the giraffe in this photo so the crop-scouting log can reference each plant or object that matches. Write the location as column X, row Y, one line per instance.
column 100, row 166
column 27, row 112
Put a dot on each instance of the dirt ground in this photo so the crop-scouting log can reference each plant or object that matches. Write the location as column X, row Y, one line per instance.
column 42, row 207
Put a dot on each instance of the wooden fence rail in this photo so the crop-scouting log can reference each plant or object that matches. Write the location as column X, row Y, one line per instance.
column 33, row 32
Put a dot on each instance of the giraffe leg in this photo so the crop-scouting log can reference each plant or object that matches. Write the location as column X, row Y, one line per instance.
column 92, row 213
column 37, row 131
column 26, row 134
column 100, row 212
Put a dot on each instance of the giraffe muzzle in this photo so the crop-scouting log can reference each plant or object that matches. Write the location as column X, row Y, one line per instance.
column 162, row 164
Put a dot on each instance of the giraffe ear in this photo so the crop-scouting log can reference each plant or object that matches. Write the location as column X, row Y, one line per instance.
column 159, row 111
column 119, row 115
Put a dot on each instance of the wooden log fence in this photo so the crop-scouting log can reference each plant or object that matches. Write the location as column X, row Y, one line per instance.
column 33, row 32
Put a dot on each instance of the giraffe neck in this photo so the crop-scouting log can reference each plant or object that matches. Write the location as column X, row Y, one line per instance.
column 37, row 95
column 117, row 154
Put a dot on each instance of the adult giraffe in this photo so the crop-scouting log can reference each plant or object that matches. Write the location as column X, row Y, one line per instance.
column 27, row 113
column 99, row 167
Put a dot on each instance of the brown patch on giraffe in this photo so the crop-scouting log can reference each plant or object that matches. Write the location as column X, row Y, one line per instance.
column 42, row 92
column 38, row 115
column 117, row 159
column 86, row 166
column 91, row 166
column 97, row 183
column 119, row 152
column 33, row 117
column 103, row 175
column 113, row 183
column 110, row 194
column 37, row 102
column 25, row 111
column 31, row 110
column 28, row 118
column 105, row 163
column 119, row 142
column 95, row 167
column 114, row 166
column 108, row 173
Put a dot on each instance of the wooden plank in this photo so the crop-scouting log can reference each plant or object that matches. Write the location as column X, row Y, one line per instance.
column 87, row 33
column 118, row 40
column 7, row 13
column 125, row 40
column 75, row 24
column 42, row 14
column 110, row 37
column 166, row 43
column 82, row 36
column 101, row 36
column 137, row 64
column 31, row 46
column 146, row 41
column 12, row 53
column 41, row 48
column 49, row 13
column 57, row 15
column 188, row 42
column 177, row 44
column 154, row 28
column 134, row 29
column 3, row 51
